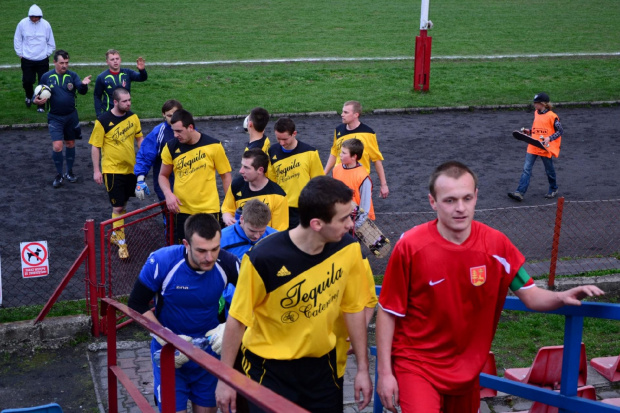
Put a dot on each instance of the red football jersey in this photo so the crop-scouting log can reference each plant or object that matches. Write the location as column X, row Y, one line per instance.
column 447, row 299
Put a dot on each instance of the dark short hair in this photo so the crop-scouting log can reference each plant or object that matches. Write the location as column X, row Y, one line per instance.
column 184, row 117
column 170, row 104
column 259, row 158
column 204, row 225
column 260, row 118
column 116, row 95
column 452, row 169
column 355, row 147
column 62, row 53
column 285, row 125
column 256, row 213
column 319, row 197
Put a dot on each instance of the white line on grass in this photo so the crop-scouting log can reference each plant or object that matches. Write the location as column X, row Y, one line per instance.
column 350, row 59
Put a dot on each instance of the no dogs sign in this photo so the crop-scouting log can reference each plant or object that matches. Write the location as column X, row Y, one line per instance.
column 34, row 257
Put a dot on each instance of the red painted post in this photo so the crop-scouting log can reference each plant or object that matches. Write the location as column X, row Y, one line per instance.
column 422, row 62
column 91, row 269
column 112, row 383
column 556, row 241
column 168, row 394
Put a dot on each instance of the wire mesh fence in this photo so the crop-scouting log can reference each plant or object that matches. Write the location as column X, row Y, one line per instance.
column 18, row 291
column 587, row 240
column 589, row 234
column 145, row 231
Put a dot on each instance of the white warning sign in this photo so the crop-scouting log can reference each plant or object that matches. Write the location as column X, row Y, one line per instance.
column 34, row 257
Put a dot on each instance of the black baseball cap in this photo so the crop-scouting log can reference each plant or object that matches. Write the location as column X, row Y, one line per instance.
column 541, row 97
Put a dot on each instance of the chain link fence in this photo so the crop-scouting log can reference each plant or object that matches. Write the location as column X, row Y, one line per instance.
column 587, row 239
column 587, row 234
column 18, row 291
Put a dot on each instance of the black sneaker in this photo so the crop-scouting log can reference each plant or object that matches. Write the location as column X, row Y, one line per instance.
column 28, row 102
column 58, row 181
column 40, row 109
column 70, row 177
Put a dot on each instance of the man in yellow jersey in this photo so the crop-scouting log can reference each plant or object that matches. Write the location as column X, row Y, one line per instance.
column 253, row 184
column 293, row 287
column 194, row 157
column 350, row 128
column 292, row 164
column 113, row 139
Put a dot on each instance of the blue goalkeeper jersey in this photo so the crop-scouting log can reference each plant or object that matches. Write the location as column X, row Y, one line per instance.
column 187, row 301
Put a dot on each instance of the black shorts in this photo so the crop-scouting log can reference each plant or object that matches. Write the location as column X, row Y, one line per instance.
column 120, row 188
column 310, row 382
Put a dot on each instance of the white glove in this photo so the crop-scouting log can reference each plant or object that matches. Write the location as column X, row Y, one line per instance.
column 215, row 338
column 179, row 358
column 142, row 188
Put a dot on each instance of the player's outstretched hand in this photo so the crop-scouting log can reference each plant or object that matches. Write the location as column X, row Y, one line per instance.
column 140, row 63
column 387, row 388
column 215, row 336
column 142, row 188
column 225, row 397
column 575, row 295
column 362, row 385
column 87, row 80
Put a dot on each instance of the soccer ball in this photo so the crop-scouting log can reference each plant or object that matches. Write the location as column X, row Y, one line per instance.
column 245, row 123
column 42, row 92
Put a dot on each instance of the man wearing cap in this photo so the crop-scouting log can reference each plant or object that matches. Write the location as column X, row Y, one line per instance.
column 34, row 44
column 548, row 129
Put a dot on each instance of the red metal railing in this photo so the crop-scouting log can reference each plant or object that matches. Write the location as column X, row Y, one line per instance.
column 251, row 390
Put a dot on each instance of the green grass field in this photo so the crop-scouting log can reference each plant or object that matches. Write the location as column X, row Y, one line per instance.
column 207, row 31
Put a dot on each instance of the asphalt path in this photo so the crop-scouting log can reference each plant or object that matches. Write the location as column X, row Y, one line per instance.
column 412, row 144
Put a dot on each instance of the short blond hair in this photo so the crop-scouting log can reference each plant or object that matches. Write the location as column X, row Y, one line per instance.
column 111, row 51
column 357, row 107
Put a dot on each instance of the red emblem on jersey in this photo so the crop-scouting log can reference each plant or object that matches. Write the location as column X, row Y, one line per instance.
column 124, row 83
column 69, row 86
column 478, row 275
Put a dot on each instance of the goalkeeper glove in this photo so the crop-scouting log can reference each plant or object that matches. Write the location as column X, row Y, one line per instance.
column 179, row 358
column 142, row 188
column 215, row 338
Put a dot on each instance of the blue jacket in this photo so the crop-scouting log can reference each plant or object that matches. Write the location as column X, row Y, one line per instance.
column 234, row 239
column 107, row 82
column 149, row 155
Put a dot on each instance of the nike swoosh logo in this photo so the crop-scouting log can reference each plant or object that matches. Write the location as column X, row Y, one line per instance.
column 431, row 283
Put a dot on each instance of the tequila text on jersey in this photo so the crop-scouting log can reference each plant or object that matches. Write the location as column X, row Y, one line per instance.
column 295, row 295
column 283, row 171
column 183, row 162
column 120, row 134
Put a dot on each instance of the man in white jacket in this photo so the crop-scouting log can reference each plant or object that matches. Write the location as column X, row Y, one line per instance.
column 34, row 44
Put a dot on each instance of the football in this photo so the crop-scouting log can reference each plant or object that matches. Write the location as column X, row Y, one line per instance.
column 42, row 92
column 245, row 123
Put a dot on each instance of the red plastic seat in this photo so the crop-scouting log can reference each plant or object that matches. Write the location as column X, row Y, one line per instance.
column 489, row 368
column 609, row 367
column 587, row 392
column 546, row 370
